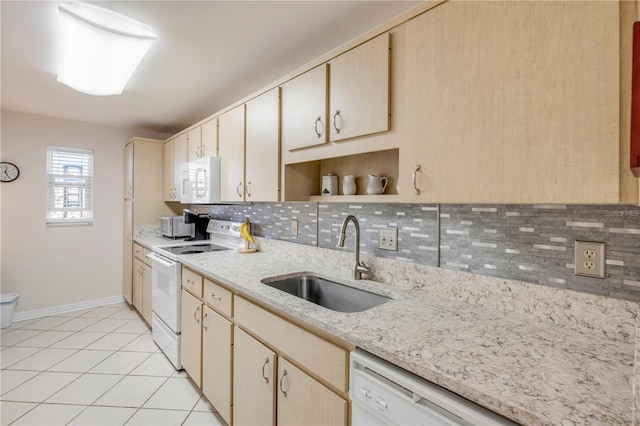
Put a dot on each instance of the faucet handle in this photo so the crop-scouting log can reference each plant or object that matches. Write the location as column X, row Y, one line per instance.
column 363, row 268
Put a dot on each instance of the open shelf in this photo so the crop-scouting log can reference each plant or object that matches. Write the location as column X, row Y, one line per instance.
column 303, row 181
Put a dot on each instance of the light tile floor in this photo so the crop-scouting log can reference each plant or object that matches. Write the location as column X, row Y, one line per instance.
column 93, row 367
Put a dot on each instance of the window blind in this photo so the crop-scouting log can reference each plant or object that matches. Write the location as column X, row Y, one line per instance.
column 69, row 186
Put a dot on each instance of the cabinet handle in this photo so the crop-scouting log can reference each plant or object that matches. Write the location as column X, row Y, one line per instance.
column 213, row 296
column 248, row 189
column 266, row 362
column 415, row 186
column 204, row 318
column 284, row 373
column 335, row 116
column 195, row 315
column 202, row 150
column 315, row 127
column 238, row 189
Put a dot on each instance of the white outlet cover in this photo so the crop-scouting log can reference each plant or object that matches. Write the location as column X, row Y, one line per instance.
column 590, row 259
column 388, row 239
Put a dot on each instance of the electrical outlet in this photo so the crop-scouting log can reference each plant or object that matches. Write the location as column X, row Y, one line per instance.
column 388, row 239
column 590, row 259
column 294, row 227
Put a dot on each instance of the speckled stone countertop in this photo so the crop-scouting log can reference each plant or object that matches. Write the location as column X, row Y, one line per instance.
column 533, row 354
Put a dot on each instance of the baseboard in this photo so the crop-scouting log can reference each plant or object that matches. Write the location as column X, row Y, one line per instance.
column 53, row 310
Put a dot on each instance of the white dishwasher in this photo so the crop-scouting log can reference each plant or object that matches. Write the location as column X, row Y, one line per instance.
column 384, row 394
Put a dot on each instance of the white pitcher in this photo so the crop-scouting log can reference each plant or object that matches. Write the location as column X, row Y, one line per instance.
column 377, row 184
column 349, row 185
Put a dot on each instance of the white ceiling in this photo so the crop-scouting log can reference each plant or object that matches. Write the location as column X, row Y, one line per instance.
column 208, row 55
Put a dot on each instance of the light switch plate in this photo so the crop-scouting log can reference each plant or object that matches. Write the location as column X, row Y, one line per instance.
column 388, row 239
column 294, row 227
column 590, row 259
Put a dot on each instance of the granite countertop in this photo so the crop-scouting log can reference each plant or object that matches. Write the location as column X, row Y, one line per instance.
column 531, row 371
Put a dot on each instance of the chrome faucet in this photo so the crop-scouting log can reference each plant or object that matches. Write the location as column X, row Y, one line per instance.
column 358, row 267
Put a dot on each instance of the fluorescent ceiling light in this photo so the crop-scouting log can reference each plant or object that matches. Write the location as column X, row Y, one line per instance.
column 100, row 49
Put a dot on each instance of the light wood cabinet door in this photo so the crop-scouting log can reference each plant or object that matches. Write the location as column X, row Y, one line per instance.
column 263, row 147
column 512, row 102
column 194, row 143
column 180, row 155
column 128, row 170
column 216, row 365
column 191, row 341
column 254, row 380
column 301, row 400
column 127, row 260
column 137, row 284
column 146, row 293
column 231, row 151
column 209, row 145
column 304, row 109
column 359, row 90
column 167, row 171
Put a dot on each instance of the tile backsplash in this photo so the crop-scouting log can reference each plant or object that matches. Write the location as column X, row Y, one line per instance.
column 531, row 243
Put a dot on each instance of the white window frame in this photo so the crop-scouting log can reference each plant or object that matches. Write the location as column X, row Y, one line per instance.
column 69, row 194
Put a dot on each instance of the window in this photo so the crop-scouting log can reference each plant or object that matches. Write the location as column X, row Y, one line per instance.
column 69, row 186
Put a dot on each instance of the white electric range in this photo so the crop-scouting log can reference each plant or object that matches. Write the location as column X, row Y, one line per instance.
column 166, row 282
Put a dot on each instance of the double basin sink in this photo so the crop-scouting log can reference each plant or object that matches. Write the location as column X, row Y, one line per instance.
column 327, row 293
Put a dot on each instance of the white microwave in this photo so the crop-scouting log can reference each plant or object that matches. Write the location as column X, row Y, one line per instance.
column 200, row 181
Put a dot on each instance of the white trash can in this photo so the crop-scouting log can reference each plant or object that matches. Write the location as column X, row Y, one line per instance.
column 7, row 306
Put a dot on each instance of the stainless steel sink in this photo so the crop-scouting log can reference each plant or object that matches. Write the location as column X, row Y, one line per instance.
column 323, row 292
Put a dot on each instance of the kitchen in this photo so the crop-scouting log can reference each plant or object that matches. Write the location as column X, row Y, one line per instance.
column 478, row 224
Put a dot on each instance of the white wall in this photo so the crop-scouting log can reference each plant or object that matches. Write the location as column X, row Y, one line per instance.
column 50, row 267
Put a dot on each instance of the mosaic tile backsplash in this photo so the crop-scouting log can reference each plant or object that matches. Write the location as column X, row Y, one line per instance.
column 532, row 243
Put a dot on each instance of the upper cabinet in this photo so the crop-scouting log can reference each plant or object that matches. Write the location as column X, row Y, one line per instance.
column 251, row 173
column 513, row 102
column 209, row 141
column 194, row 143
column 262, row 154
column 359, row 90
column 175, row 153
column 128, row 171
column 231, row 152
column 202, row 141
column 304, row 109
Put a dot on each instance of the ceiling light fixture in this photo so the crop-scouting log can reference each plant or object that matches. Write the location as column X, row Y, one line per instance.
column 99, row 49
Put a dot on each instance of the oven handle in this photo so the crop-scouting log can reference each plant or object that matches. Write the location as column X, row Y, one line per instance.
column 161, row 260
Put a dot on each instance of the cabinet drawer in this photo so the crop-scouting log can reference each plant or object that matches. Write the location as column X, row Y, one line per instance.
column 141, row 253
column 218, row 297
column 325, row 359
column 192, row 282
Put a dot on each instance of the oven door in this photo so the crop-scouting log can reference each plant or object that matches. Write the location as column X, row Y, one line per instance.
column 165, row 290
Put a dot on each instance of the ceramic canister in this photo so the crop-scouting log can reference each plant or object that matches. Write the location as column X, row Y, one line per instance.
column 330, row 184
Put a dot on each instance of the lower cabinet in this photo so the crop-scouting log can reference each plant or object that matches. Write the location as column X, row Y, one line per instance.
column 191, row 337
column 217, row 355
column 254, row 381
column 302, row 400
column 142, row 289
column 296, row 397
column 256, row 367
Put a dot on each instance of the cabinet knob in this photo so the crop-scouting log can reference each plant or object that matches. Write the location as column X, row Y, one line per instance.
column 284, row 373
column 335, row 118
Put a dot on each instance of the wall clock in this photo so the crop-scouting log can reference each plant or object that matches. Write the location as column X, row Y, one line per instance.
column 8, row 172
